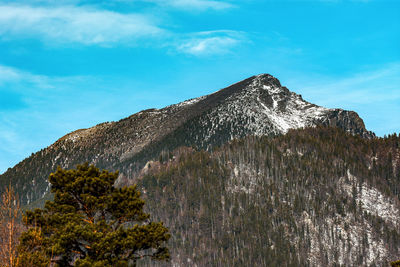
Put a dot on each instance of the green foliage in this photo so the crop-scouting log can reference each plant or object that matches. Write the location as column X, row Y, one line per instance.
column 91, row 223
column 395, row 263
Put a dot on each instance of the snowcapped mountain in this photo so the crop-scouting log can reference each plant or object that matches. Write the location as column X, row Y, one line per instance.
column 259, row 105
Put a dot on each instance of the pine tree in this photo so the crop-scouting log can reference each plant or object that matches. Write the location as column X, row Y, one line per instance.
column 395, row 263
column 91, row 223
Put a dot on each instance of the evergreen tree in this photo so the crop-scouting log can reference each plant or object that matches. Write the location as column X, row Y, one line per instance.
column 91, row 223
column 395, row 263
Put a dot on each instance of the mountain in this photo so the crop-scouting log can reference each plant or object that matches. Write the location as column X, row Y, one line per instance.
column 251, row 175
column 259, row 105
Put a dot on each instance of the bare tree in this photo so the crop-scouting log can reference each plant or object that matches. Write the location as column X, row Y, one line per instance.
column 10, row 227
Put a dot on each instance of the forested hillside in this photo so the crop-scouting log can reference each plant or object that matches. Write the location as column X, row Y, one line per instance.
column 318, row 197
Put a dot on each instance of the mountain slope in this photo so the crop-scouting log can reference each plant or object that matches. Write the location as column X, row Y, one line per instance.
column 258, row 105
column 313, row 197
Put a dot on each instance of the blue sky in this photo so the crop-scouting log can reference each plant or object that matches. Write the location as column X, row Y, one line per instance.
column 70, row 64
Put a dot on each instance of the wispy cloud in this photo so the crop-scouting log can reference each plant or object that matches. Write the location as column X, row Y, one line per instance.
column 13, row 75
column 210, row 42
column 187, row 5
column 89, row 25
column 8, row 74
column 194, row 4
column 83, row 25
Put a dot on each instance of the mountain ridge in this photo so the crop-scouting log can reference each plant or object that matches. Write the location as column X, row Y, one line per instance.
column 231, row 90
column 258, row 105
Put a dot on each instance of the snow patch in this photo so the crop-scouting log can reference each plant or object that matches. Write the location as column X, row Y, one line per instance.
column 247, row 111
column 340, row 238
column 244, row 179
column 189, row 102
column 373, row 201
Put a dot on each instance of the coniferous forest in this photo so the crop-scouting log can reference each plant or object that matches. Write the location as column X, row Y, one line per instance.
column 312, row 197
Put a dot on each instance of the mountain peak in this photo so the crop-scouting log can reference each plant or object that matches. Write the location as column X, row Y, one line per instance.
column 265, row 77
column 258, row 106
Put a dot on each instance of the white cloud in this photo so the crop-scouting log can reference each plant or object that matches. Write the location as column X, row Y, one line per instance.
column 8, row 74
column 75, row 24
column 210, row 43
column 194, row 4
column 88, row 25
column 201, row 5
column 13, row 75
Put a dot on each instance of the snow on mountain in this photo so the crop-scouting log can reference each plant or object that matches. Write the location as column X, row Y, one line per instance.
column 264, row 101
column 260, row 105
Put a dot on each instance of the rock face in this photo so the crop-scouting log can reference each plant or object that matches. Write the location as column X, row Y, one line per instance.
column 259, row 105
